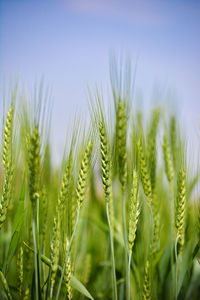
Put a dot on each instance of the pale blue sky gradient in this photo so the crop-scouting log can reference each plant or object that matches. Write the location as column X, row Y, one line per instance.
column 69, row 43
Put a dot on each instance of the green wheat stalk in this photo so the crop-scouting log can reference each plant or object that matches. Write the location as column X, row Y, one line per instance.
column 106, row 179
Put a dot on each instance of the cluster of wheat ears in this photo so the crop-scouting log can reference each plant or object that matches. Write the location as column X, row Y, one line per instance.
column 66, row 234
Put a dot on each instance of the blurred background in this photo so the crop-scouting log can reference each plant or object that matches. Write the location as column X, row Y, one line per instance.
column 68, row 45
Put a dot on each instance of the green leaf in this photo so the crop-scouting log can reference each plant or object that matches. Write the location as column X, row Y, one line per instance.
column 77, row 285
column 5, row 285
column 164, row 263
column 185, row 265
column 17, row 224
column 104, row 227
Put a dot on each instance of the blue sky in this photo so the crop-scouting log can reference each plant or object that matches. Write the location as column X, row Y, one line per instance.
column 69, row 43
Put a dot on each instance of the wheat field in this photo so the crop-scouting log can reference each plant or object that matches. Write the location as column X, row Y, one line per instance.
column 118, row 219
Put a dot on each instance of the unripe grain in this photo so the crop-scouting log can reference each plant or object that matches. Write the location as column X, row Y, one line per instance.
column 180, row 208
column 106, row 170
column 8, row 138
column 34, row 166
column 7, row 163
column 121, row 143
column 81, row 186
column 55, row 248
column 147, row 282
column 134, row 212
column 67, row 276
column 144, row 173
column 20, row 270
column 168, row 160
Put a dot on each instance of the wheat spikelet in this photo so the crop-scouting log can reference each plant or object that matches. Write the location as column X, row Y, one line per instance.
column 121, row 143
column 106, row 170
column 144, row 173
column 180, row 208
column 67, row 276
column 7, row 163
column 55, row 248
column 105, row 162
column 5, row 197
column 81, row 185
column 147, row 283
column 168, row 160
column 34, row 166
column 134, row 211
column 20, row 269
column 65, row 184
column 8, row 138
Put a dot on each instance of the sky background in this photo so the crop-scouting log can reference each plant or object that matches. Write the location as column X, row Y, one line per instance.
column 69, row 43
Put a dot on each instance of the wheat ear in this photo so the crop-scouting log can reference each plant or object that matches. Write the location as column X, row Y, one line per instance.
column 146, row 182
column 134, row 211
column 67, row 276
column 55, row 248
column 147, row 282
column 81, row 185
column 168, row 160
column 121, row 143
column 180, row 208
column 7, row 163
column 20, row 269
column 106, row 170
column 34, row 166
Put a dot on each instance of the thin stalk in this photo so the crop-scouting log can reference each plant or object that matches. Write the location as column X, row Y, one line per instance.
column 48, row 283
column 125, row 241
column 129, row 268
column 38, row 241
column 172, row 243
column 176, row 259
column 43, row 267
column 67, row 254
column 35, row 257
column 112, row 254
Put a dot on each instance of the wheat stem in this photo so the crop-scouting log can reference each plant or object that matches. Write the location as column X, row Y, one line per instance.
column 112, row 253
column 176, row 268
column 35, row 257
column 129, row 269
column 125, row 239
